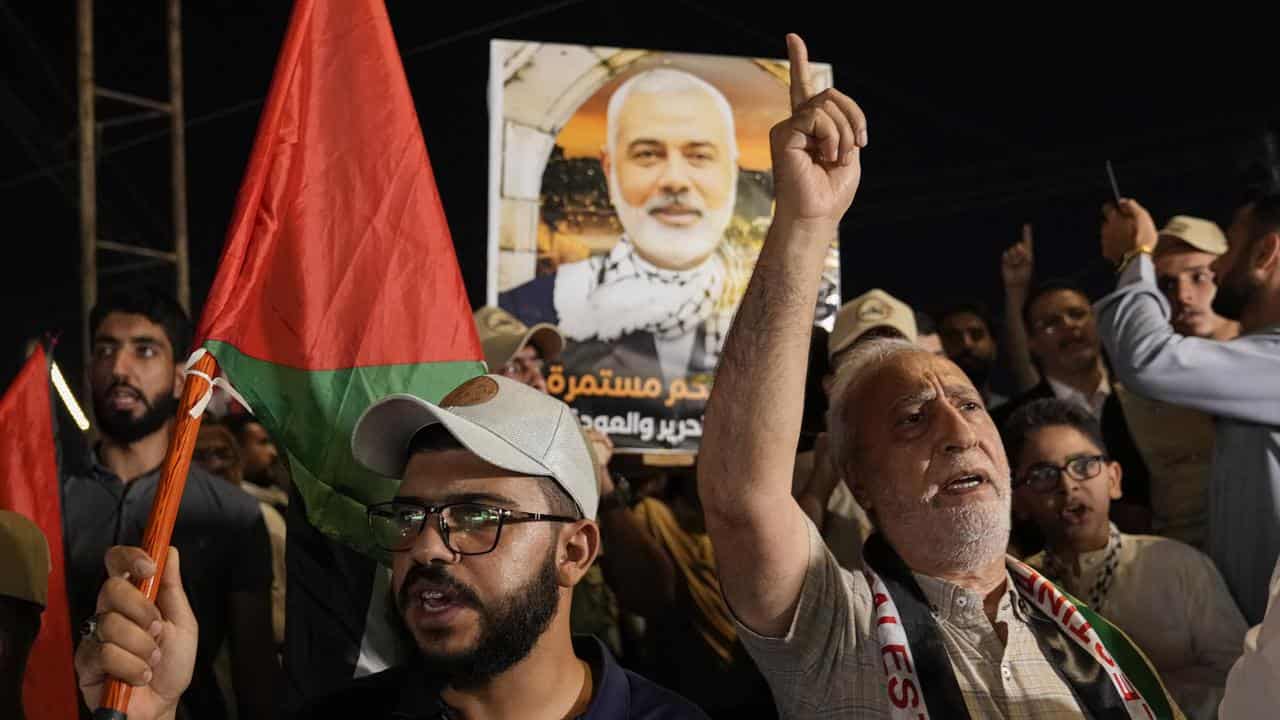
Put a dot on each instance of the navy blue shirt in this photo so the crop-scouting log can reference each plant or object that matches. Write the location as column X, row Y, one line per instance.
column 405, row 693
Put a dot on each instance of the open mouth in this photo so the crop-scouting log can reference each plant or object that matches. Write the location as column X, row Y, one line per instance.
column 1074, row 512
column 436, row 600
column 964, row 483
column 123, row 398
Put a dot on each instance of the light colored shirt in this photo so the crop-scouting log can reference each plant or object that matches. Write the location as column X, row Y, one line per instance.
column 1170, row 600
column 1093, row 403
column 1176, row 444
column 277, row 531
column 828, row 664
column 1253, row 687
column 1236, row 381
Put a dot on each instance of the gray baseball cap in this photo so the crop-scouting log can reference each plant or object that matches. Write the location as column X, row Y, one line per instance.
column 503, row 422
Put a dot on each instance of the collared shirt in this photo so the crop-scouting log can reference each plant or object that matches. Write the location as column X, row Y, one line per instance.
column 1093, row 403
column 1197, row 632
column 1253, row 686
column 828, row 664
column 407, row 693
column 1238, row 382
column 221, row 540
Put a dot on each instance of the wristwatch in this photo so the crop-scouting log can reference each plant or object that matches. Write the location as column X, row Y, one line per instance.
column 619, row 498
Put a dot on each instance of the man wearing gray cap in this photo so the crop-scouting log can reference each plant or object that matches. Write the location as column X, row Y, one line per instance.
column 491, row 529
column 513, row 349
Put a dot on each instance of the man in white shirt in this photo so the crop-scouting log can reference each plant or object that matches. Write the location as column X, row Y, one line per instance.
column 1253, row 687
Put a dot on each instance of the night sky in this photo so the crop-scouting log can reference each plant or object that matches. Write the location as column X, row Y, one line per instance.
column 977, row 125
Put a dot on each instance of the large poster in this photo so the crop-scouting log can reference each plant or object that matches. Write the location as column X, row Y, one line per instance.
column 630, row 193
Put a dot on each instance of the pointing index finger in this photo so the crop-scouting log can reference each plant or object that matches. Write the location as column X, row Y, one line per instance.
column 801, row 85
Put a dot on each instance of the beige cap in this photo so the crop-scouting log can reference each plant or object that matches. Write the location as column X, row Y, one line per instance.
column 502, row 336
column 24, row 555
column 872, row 309
column 1200, row 234
column 504, row 422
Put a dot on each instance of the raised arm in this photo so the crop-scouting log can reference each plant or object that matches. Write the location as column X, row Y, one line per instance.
column 1235, row 379
column 1016, row 267
column 752, row 422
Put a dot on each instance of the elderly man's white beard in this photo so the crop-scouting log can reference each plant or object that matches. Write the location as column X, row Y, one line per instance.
column 665, row 246
column 960, row 538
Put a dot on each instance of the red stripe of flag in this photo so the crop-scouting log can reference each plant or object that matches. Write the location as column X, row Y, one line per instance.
column 29, row 486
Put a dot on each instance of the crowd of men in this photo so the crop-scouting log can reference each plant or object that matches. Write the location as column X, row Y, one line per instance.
column 1074, row 513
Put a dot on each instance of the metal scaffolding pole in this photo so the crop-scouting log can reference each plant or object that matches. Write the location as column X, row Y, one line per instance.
column 178, row 157
column 88, row 175
column 89, row 92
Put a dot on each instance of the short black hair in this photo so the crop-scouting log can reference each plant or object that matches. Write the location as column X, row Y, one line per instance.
column 1264, row 217
column 437, row 438
column 961, row 306
column 238, row 422
column 1044, row 288
column 1047, row 412
column 1258, row 173
column 558, row 501
column 156, row 306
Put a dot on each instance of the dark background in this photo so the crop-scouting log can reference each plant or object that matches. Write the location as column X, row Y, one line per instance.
column 978, row 124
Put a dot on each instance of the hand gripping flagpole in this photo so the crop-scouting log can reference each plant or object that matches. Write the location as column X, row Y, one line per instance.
column 196, row 392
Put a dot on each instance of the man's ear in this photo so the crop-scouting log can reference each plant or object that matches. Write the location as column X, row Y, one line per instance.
column 179, row 377
column 1265, row 254
column 1115, row 486
column 859, row 489
column 579, row 546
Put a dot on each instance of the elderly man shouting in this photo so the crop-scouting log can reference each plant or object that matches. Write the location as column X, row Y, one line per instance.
column 942, row 623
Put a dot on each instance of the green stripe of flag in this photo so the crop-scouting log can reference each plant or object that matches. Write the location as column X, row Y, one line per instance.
column 312, row 414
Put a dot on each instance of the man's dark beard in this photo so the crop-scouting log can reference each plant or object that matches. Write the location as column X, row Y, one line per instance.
column 267, row 477
column 508, row 630
column 125, row 429
column 1234, row 294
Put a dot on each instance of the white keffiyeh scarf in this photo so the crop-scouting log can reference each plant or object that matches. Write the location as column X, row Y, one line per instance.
column 603, row 298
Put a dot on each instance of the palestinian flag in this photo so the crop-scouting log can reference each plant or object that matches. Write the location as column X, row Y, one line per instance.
column 29, row 486
column 338, row 285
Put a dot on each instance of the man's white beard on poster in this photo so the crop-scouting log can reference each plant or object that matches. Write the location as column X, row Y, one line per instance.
column 672, row 247
column 607, row 297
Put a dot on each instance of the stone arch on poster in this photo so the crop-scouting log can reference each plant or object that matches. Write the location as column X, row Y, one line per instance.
column 542, row 86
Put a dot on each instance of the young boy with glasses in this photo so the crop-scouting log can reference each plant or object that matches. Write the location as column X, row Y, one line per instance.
column 1167, row 596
